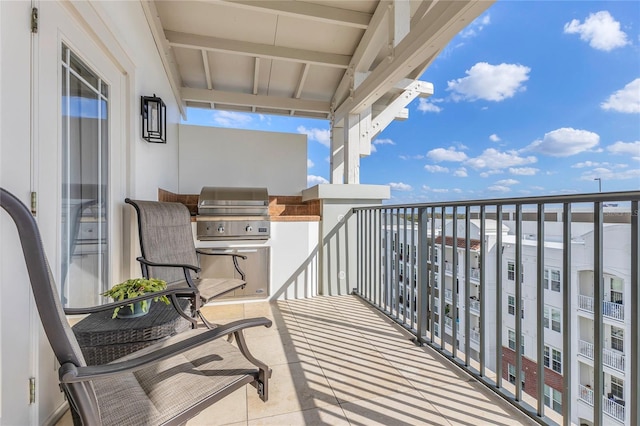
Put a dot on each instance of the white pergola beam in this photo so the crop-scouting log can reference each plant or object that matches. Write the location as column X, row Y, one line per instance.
column 164, row 49
column 364, row 54
column 215, row 44
column 250, row 100
column 439, row 26
column 399, row 21
column 311, row 11
column 398, row 106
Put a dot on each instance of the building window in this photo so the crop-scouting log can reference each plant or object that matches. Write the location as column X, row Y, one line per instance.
column 512, row 341
column 552, row 279
column 556, row 361
column 617, row 387
column 555, row 319
column 511, row 306
column 511, row 271
column 512, row 374
column 617, row 338
column 553, row 399
column 553, row 359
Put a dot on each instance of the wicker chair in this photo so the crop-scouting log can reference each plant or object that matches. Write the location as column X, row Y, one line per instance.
column 167, row 383
column 169, row 253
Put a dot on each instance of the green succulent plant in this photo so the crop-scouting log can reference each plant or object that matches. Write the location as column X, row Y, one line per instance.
column 136, row 287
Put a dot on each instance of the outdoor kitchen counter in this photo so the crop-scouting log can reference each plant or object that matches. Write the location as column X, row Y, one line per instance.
column 282, row 208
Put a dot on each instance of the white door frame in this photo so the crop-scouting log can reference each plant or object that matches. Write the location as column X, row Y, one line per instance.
column 77, row 25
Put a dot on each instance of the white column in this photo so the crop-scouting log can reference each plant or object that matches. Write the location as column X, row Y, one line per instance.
column 337, row 153
column 352, row 148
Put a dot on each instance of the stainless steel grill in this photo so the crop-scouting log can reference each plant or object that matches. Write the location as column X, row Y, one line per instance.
column 233, row 214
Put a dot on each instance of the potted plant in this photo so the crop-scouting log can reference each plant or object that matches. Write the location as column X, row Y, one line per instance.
column 133, row 288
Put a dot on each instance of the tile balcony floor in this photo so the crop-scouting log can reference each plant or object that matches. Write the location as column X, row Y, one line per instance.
column 338, row 361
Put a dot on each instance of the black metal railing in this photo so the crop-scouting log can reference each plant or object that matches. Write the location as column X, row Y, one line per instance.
column 507, row 238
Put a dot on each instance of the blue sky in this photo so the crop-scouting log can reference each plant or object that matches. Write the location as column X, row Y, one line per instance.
column 533, row 98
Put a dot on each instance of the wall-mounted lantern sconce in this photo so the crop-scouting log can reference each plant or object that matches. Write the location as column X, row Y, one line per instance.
column 154, row 119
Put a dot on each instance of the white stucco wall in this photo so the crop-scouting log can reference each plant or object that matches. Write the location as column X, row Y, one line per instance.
column 121, row 29
column 153, row 165
column 213, row 156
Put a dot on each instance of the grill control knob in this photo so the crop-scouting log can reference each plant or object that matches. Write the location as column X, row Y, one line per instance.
column 221, row 229
column 248, row 228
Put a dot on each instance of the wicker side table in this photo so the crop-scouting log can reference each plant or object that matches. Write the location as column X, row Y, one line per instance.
column 103, row 339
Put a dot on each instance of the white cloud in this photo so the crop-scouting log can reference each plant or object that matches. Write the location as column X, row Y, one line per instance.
column 584, row 164
column 491, row 172
column 608, row 174
column 426, row 188
column 411, row 157
column 435, row 169
column 310, row 163
column 491, row 158
column 565, row 142
column 322, row 136
column 425, row 105
column 315, row 180
column 384, row 142
column 231, row 119
column 490, row 82
column 399, row 186
column 476, row 26
column 625, row 100
column 600, row 30
column 499, row 188
column 523, row 171
column 631, row 148
column 494, row 138
column 440, row 190
column 457, row 190
column 441, row 154
column 507, row 182
column 461, row 172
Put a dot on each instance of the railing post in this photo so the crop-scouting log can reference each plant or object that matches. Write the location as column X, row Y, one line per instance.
column 598, row 287
column 635, row 303
column 483, row 290
column 454, row 284
column 518, row 288
column 540, row 310
column 421, row 325
column 443, row 282
column 566, row 314
column 498, row 296
column 467, row 283
column 432, row 276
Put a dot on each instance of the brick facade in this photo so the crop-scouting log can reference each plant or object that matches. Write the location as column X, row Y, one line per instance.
column 530, row 370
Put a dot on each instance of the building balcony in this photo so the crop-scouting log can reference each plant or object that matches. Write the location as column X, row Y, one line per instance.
column 610, row 358
column 337, row 361
column 474, row 306
column 610, row 407
column 609, row 309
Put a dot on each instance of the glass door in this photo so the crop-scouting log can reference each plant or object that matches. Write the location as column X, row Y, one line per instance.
column 84, row 177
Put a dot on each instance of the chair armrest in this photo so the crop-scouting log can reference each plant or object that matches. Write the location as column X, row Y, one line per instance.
column 107, row 306
column 235, row 257
column 70, row 373
column 168, row 265
column 213, row 253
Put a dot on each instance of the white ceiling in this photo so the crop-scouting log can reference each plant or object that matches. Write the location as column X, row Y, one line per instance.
column 320, row 59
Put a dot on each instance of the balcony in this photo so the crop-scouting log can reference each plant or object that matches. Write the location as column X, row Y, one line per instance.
column 610, row 358
column 609, row 309
column 337, row 360
column 609, row 406
column 487, row 363
column 474, row 306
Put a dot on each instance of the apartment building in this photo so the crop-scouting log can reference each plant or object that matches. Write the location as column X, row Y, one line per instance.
column 450, row 282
